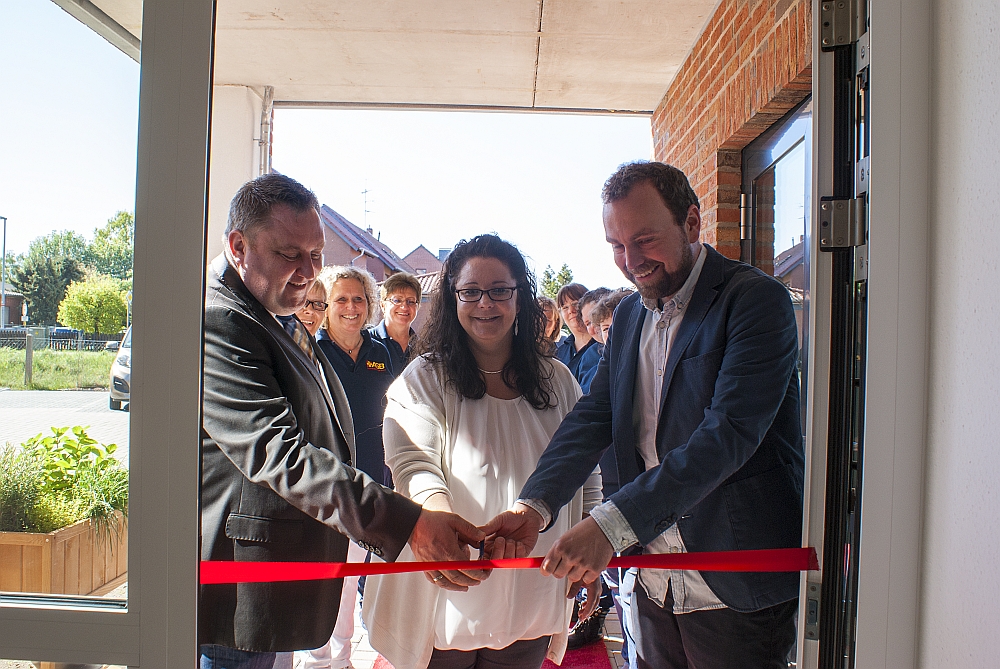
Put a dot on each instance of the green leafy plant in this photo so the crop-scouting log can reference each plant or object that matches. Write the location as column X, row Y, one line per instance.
column 56, row 480
column 20, row 486
column 69, row 454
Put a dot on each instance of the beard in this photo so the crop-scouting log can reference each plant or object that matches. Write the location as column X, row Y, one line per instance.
column 669, row 282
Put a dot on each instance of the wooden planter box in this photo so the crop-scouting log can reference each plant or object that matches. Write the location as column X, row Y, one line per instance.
column 68, row 561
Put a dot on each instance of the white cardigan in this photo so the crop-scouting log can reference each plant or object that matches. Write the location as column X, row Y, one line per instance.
column 479, row 453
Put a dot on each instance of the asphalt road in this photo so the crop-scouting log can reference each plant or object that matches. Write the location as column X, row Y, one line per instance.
column 25, row 413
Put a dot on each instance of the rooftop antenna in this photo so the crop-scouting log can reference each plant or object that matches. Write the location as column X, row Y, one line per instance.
column 365, row 194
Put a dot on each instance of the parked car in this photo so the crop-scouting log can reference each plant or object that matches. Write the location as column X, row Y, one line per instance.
column 121, row 374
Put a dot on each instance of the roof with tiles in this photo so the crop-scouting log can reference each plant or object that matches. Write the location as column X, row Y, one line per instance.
column 420, row 258
column 362, row 240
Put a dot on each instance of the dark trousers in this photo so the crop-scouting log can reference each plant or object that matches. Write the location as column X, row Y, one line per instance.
column 717, row 639
column 524, row 654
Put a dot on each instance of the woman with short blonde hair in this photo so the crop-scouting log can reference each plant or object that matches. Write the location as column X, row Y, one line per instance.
column 365, row 370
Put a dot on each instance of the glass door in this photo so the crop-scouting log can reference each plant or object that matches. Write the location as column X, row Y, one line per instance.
column 777, row 188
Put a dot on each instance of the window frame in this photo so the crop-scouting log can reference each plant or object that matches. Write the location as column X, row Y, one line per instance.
column 158, row 629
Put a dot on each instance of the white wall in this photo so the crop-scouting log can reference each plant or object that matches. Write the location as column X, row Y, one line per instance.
column 235, row 156
column 960, row 598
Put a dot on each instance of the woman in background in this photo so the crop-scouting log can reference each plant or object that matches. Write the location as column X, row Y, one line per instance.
column 578, row 351
column 364, row 368
column 400, row 302
column 552, row 326
column 465, row 425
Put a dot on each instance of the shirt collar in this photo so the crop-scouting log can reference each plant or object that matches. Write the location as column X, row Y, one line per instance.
column 682, row 296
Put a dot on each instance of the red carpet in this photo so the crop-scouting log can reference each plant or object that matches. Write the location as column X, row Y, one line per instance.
column 592, row 656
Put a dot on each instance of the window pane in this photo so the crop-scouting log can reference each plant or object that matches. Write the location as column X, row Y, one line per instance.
column 67, row 202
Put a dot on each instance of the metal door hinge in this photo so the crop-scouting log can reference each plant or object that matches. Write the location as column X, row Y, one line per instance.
column 813, row 598
column 864, row 52
column 862, row 174
column 841, row 223
column 840, row 21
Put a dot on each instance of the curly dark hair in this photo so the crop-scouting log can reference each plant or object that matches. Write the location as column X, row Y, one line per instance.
column 445, row 342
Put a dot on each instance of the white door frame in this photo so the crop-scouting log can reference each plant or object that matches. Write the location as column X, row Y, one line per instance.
column 158, row 628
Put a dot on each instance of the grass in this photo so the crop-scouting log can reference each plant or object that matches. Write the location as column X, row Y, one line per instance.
column 56, row 370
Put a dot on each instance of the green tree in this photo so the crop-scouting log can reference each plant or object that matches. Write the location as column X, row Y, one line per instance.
column 43, row 281
column 65, row 243
column 96, row 304
column 552, row 281
column 111, row 251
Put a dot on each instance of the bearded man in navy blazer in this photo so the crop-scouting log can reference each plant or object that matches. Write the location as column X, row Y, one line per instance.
column 277, row 445
column 698, row 391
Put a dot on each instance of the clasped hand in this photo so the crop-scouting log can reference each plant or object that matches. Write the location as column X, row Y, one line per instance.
column 581, row 554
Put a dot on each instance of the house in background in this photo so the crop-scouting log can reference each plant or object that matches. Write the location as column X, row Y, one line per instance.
column 13, row 307
column 423, row 261
column 347, row 244
column 789, row 268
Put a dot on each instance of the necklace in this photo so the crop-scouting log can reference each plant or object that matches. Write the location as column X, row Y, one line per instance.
column 486, row 371
column 350, row 351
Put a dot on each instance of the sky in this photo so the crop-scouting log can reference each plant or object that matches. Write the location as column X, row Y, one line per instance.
column 69, row 110
column 433, row 177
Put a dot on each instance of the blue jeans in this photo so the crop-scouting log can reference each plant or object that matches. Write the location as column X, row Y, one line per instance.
column 214, row 656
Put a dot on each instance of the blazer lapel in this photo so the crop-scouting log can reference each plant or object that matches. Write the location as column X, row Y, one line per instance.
column 701, row 301
column 230, row 278
column 623, row 373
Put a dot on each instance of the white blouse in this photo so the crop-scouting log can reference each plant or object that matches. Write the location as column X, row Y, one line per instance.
column 480, row 453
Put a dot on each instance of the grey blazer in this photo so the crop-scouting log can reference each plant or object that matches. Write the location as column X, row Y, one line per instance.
column 277, row 444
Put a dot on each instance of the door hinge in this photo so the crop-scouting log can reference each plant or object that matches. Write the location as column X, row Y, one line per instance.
column 840, row 21
column 841, row 223
column 864, row 53
column 813, row 598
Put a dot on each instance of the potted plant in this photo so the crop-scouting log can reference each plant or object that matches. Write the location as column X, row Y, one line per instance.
column 63, row 510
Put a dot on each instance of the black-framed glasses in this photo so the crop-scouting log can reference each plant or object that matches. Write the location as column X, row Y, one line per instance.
column 475, row 294
column 316, row 305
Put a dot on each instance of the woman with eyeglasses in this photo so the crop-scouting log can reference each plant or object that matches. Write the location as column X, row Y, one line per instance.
column 578, row 351
column 465, row 424
column 364, row 368
column 313, row 312
column 400, row 302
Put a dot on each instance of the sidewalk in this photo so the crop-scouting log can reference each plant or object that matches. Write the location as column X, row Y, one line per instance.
column 25, row 413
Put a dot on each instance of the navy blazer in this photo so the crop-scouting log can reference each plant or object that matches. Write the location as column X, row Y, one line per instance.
column 729, row 437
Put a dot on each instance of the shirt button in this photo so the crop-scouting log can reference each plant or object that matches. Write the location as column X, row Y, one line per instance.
column 675, row 549
column 661, row 325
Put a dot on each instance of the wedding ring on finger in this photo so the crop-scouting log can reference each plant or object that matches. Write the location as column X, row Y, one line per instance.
column 437, row 578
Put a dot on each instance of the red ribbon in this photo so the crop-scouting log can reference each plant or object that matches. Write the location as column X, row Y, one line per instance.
column 775, row 559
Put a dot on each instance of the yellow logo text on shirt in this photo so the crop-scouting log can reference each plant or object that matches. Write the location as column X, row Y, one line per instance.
column 380, row 366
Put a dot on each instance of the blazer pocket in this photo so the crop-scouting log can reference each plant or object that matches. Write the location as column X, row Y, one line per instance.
column 695, row 378
column 765, row 510
column 264, row 530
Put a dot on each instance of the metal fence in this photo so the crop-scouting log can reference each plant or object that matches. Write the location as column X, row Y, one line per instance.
column 84, row 342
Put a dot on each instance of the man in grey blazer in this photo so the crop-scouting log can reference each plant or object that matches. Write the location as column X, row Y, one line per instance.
column 277, row 444
column 698, row 391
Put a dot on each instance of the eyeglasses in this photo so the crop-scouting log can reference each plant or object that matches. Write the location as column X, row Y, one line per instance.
column 398, row 302
column 496, row 294
column 316, row 305
column 570, row 306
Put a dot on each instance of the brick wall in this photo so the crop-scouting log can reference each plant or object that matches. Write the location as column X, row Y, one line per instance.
column 750, row 66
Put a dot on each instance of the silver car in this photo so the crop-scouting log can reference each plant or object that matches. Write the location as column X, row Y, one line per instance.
column 121, row 374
